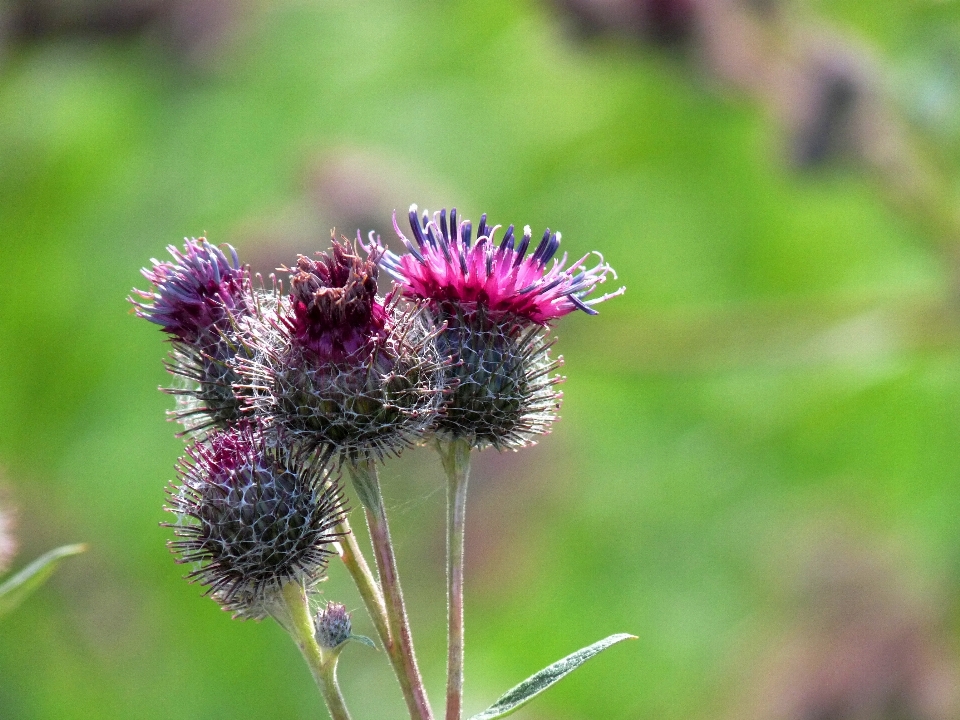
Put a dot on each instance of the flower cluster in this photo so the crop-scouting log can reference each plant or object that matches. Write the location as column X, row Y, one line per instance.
column 195, row 296
column 444, row 270
column 279, row 389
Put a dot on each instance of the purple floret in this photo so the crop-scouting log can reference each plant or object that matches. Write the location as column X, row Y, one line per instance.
column 195, row 295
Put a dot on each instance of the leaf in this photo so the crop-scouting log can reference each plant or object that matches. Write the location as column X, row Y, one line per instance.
column 535, row 684
column 363, row 639
column 18, row 587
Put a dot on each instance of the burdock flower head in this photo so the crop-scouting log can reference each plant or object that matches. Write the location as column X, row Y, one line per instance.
column 198, row 300
column 338, row 367
column 252, row 516
column 493, row 303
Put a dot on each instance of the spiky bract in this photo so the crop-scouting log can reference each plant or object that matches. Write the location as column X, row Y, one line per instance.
column 503, row 385
column 441, row 268
column 209, row 395
column 198, row 300
column 252, row 516
column 338, row 368
column 332, row 625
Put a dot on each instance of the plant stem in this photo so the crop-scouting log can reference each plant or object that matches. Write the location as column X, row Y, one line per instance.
column 356, row 564
column 294, row 616
column 400, row 648
column 455, row 456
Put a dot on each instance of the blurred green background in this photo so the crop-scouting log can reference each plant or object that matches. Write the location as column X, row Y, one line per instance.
column 757, row 467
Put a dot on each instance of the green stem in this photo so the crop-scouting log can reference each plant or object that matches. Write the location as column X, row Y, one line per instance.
column 294, row 615
column 400, row 648
column 356, row 564
column 455, row 456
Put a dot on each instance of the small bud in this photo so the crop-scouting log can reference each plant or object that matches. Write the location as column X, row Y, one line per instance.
column 252, row 518
column 332, row 626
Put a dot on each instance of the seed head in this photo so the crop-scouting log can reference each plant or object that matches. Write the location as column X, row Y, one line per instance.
column 443, row 269
column 332, row 626
column 339, row 368
column 252, row 517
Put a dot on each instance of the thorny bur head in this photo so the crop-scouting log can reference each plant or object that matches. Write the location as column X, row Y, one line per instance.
column 337, row 367
column 332, row 626
column 252, row 516
column 493, row 303
column 502, row 381
column 197, row 300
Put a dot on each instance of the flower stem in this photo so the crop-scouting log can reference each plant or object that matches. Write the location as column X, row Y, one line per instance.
column 294, row 615
column 455, row 456
column 400, row 648
column 356, row 564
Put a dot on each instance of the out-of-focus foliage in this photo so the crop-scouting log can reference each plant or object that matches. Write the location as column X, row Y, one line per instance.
column 14, row 590
column 780, row 384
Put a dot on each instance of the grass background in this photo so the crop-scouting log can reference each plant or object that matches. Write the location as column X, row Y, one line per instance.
column 698, row 466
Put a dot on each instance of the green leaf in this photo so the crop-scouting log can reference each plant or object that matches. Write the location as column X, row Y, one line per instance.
column 534, row 685
column 363, row 639
column 18, row 587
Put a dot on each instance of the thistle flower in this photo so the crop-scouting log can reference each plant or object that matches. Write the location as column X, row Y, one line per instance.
column 492, row 305
column 334, row 302
column 443, row 269
column 252, row 516
column 197, row 300
column 333, row 627
column 339, row 368
column 195, row 295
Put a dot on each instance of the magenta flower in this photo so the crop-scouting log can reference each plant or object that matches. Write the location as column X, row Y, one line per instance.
column 196, row 294
column 198, row 300
column 443, row 269
column 335, row 310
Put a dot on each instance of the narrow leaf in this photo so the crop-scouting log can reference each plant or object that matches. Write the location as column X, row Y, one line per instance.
column 18, row 587
column 534, row 685
column 364, row 640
